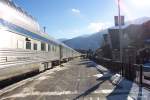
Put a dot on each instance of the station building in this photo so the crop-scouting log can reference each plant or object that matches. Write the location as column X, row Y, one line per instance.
column 135, row 39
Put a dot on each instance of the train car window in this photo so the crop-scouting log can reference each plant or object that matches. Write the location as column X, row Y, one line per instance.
column 28, row 45
column 49, row 48
column 57, row 47
column 53, row 48
column 43, row 46
column 35, row 46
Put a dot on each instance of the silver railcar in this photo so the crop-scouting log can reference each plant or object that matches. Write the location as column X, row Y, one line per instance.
column 23, row 46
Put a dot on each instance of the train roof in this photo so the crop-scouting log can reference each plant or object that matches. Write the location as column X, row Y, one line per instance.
column 15, row 6
column 45, row 35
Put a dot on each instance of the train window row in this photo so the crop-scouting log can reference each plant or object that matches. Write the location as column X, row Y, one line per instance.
column 43, row 46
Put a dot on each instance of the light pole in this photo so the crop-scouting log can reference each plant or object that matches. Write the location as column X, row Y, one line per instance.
column 120, row 30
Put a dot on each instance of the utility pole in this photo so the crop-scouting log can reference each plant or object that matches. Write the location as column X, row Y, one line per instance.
column 120, row 30
column 44, row 29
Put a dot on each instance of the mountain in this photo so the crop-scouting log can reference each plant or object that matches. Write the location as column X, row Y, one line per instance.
column 139, row 20
column 63, row 39
column 87, row 42
column 95, row 40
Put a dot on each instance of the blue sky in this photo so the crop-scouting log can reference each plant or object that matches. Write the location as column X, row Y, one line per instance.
column 71, row 18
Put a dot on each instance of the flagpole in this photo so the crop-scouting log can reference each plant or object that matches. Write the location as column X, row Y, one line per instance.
column 120, row 31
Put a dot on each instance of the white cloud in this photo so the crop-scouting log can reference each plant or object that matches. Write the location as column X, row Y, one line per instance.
column 141, row 3
column 75, row 11
column 97, row 26
column 87, row 29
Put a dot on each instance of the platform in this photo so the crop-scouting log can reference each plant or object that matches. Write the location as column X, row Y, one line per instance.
column 75, row 80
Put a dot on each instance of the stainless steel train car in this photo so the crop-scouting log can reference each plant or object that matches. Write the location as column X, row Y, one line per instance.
column 23, row 46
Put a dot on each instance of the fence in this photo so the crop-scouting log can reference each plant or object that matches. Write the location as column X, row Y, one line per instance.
column 132, row 72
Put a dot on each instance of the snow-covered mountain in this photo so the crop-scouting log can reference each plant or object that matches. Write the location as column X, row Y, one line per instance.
column 86, row 42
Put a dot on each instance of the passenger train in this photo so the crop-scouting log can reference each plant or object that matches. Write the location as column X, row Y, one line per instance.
column 24, row 47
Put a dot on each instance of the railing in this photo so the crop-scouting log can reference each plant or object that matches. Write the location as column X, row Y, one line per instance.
column 132, row 72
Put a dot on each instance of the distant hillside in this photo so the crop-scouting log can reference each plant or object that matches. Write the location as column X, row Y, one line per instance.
column 63, row 39
column 139, row 20
column 86, row 42
column 95, row 40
